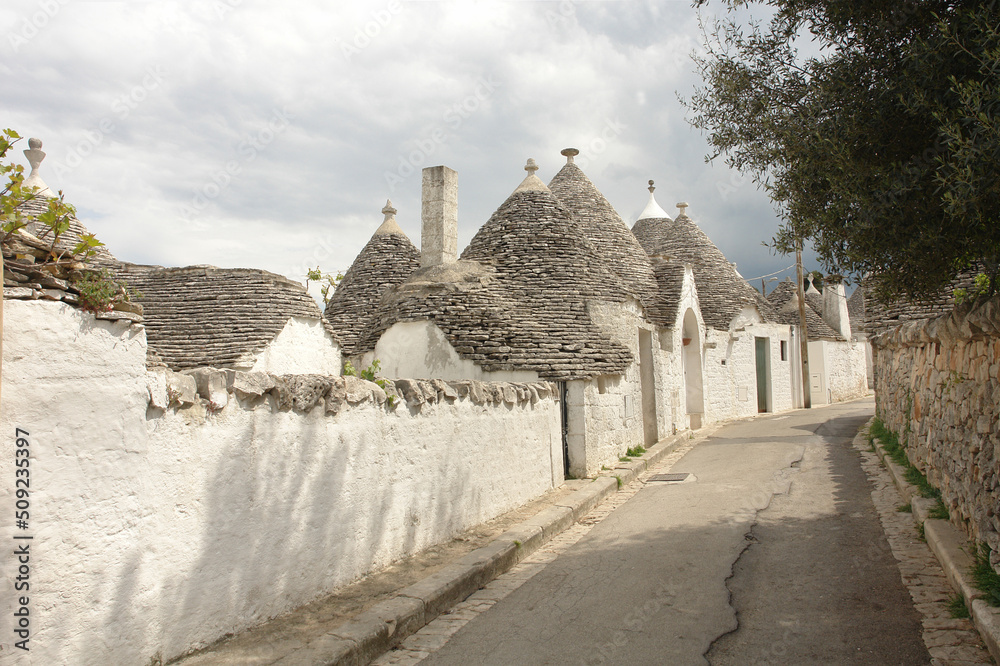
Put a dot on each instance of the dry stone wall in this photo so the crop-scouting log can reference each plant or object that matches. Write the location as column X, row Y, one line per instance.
column 937, row 384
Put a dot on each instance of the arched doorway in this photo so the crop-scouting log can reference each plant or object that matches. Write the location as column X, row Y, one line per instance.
column 694, row 388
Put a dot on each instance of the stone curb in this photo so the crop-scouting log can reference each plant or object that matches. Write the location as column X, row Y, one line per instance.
column 383, row 626
column 949, row 545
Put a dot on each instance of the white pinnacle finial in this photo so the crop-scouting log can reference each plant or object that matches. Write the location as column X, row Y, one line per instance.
column 35, row 157
column 569, row 153
column 652, row 211
column 531, row 167
column 681, row 206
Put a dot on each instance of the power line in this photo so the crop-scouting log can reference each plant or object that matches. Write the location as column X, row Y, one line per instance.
column 770, row 274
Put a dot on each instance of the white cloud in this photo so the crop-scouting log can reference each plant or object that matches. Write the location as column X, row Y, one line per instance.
column 371, row 88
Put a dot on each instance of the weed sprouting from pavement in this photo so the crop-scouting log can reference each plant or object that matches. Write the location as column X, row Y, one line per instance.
column 985, row 577
column 957, row 607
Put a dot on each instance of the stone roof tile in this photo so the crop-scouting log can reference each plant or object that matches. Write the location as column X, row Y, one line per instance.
column 517, row 299
column 784, row 300
column 880, row 317
column 203, row 316
column 387, row 260
column 70, row 238
column 722, row 293
column 608, row 233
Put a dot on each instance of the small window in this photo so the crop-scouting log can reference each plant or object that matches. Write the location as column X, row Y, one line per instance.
column 784, row 350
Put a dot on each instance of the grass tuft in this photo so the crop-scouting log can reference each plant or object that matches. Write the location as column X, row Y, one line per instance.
column 905, row 508
column 635, row 451
column 985, row 577
column 916, row 478
column 912, row 475
column 957, row 608
column 940, row 511
column 620, row 483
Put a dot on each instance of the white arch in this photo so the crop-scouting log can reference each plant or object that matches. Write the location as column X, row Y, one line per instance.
column 694, row 378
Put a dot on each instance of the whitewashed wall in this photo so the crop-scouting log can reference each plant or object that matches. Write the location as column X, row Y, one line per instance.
column 302, row 346
column 421, row 350
column 673, row 392
column 157, row 531
column 732, row 386
column 614, row 419
column 847, row 370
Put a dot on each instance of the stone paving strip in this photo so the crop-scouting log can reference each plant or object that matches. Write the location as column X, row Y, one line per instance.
column 950, row 641
column 434, row 636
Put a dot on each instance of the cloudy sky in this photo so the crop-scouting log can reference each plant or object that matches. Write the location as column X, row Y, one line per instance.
column 245, row 133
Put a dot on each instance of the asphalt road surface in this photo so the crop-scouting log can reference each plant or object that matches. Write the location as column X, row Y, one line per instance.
column 772, row 553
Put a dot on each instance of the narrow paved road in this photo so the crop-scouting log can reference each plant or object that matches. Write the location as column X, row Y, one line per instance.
column 770, row 553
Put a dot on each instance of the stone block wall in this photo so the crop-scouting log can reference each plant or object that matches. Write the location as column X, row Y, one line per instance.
column 937, row 384
column 169, row 509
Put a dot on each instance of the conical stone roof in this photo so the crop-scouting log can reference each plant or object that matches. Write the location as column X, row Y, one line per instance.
column 785, row 302
column 722, row 293
column 856, row 311
column 608, row 233
column 387, row 260
column 69, row 239
column 38, row 204
column 551, row 270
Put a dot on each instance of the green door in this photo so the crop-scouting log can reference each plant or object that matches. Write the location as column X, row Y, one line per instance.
column 761, row 349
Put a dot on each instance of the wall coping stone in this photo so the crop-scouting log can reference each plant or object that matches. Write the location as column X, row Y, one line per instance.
column 301, row 393
column 965, row 322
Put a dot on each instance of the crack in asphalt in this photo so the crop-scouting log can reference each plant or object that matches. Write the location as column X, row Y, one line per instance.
column 750, row 539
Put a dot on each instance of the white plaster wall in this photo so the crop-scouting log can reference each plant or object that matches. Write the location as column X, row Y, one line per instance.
column 671, row 366
column 420, row 350
column 847, row 370
column 781, row 371
column 614, row 403
column 731, row 388
column 159, row 531
column 78, row 386
column 302, row 347
column 670, row 382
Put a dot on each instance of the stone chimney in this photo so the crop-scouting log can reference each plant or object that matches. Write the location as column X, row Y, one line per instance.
column 835, row 305
column 439, row 217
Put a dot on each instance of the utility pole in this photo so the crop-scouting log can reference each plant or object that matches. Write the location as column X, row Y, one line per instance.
column 804, row 337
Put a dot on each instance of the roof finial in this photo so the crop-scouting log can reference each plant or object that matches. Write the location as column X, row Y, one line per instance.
column 389, row 224
column 570, row 153
column 681, row 206
column 35, row 157
column 531, row 182
column 388, row 210
column 652, row 211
